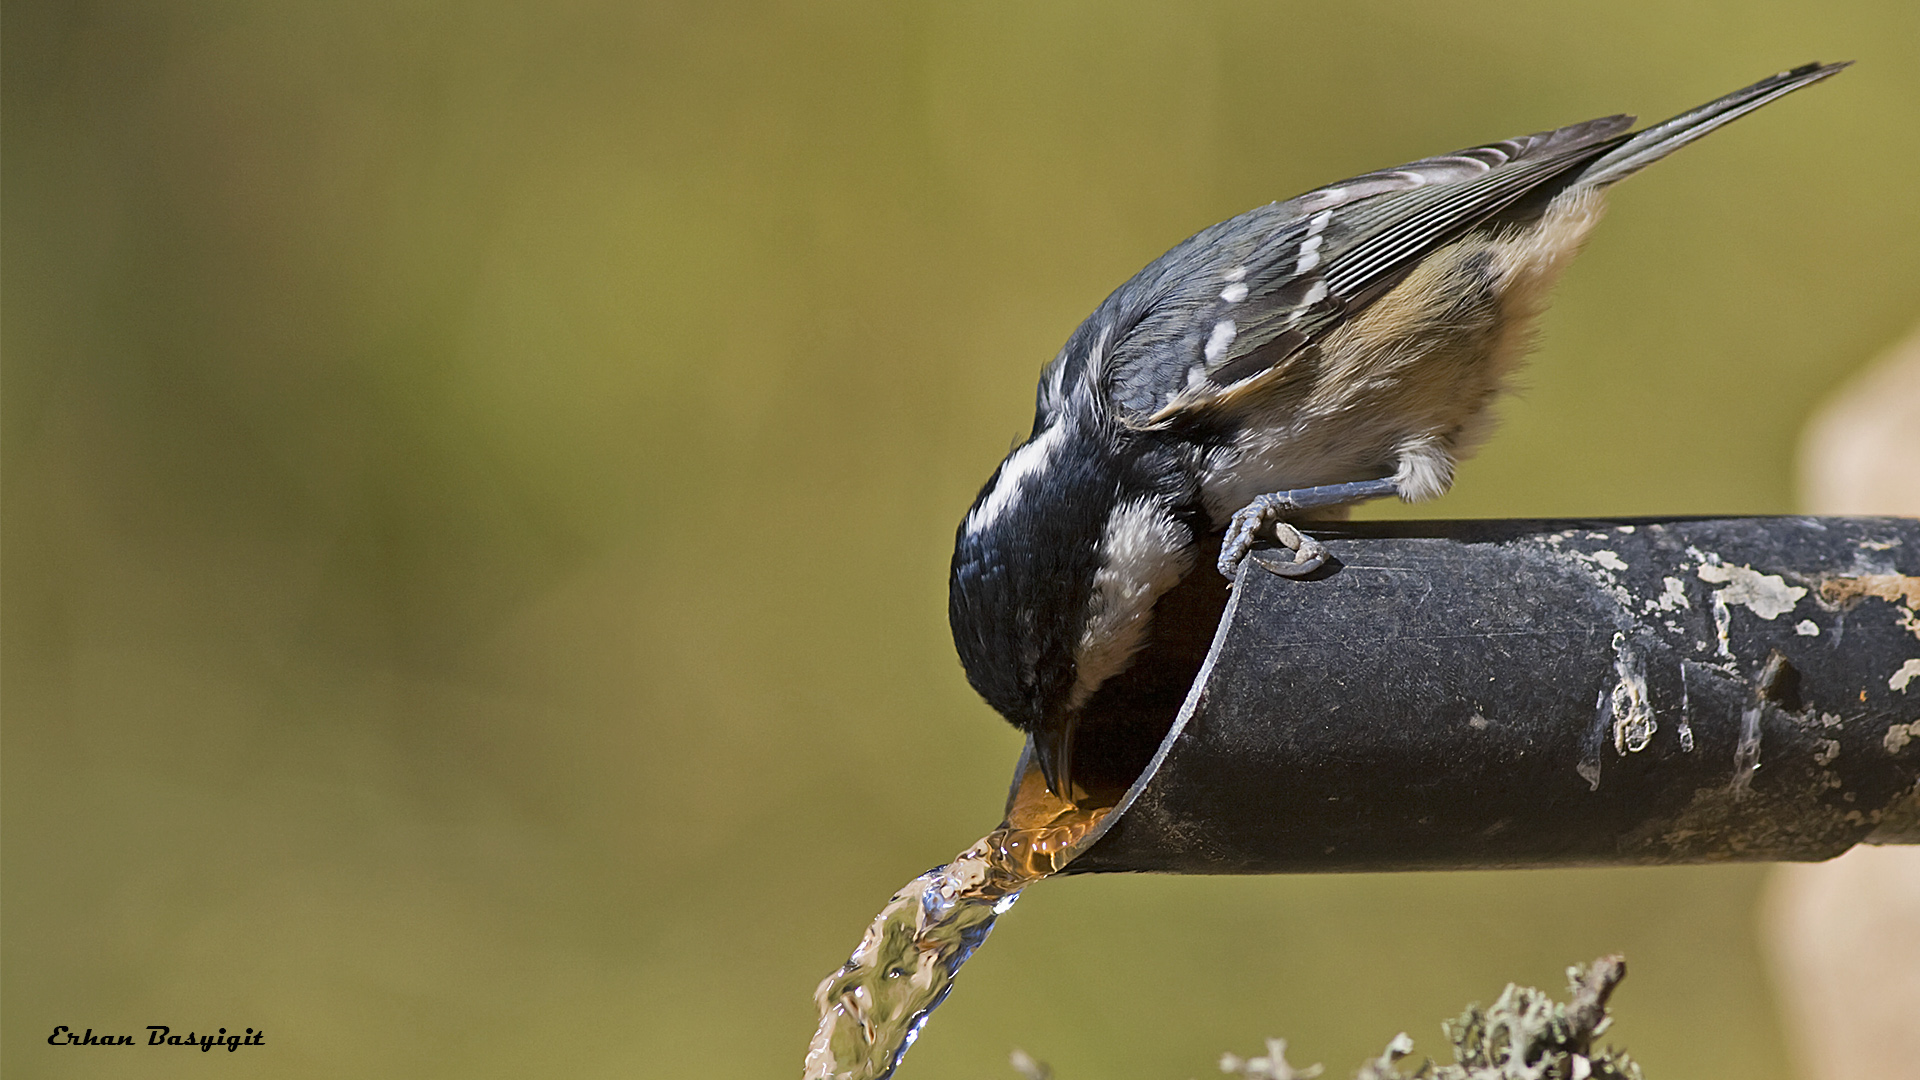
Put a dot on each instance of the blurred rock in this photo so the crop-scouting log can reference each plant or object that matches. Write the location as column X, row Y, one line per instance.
column 1845, row 942
column 1861, row 451
column 1844, row 935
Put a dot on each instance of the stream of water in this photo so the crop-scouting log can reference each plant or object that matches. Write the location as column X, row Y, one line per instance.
column 873, row 1007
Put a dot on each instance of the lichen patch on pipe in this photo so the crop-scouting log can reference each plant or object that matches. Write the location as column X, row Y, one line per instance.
column 1609, row 559
column 1602, row 566
column 1633, row 722
column 1723, row 623
column 1908, row 672
column 1899, row 735
column 1895, row 588
column 1673, row 596
column 1900, row 590
column 1766, row 595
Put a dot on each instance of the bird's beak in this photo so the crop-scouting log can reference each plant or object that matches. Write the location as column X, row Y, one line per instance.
column 1054, row 749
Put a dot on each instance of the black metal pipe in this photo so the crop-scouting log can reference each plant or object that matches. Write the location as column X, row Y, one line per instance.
column 1451, row 695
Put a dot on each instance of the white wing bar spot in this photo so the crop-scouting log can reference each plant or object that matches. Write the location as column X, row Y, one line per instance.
column 1221, row 337
column 1309, row 254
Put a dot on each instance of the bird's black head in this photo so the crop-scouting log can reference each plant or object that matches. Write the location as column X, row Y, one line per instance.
column 1024, row 560
column 1055, row 572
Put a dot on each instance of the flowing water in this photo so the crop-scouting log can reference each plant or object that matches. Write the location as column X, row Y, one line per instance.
column 872, row 1009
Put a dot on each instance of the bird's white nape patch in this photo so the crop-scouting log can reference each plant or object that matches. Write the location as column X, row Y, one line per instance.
column 1056, row 384
column 1143, row 553
column 1030, row 460
column 1221, row 337
column 1053, row 382
column 1097, row 358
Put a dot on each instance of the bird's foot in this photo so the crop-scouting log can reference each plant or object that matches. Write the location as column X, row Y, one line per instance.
column 1308, row 554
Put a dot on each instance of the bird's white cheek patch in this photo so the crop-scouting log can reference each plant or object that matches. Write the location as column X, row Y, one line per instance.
column 1143, row 553
column 1028, row 462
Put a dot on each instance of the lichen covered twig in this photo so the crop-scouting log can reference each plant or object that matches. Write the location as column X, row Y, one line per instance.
column 1526, row 1035
column 1523, row 1035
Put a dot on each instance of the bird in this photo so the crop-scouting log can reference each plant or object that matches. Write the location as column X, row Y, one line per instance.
column 1339, row 346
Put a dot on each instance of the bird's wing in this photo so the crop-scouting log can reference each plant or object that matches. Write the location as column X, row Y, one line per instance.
column 1244, row 295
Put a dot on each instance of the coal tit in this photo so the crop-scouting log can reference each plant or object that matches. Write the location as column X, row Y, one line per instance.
column 1306, row 355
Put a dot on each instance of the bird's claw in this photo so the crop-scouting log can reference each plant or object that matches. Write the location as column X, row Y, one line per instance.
column 1308, row 554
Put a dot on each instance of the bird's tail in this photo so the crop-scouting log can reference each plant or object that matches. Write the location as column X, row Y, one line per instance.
column 1646, row 147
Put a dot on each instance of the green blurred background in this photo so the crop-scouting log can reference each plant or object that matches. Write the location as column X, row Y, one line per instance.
column 479, row 481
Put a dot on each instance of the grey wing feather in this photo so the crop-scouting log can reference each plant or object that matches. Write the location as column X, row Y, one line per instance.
column 1244, row 295
column 1656, row 142
column 1286, row 273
